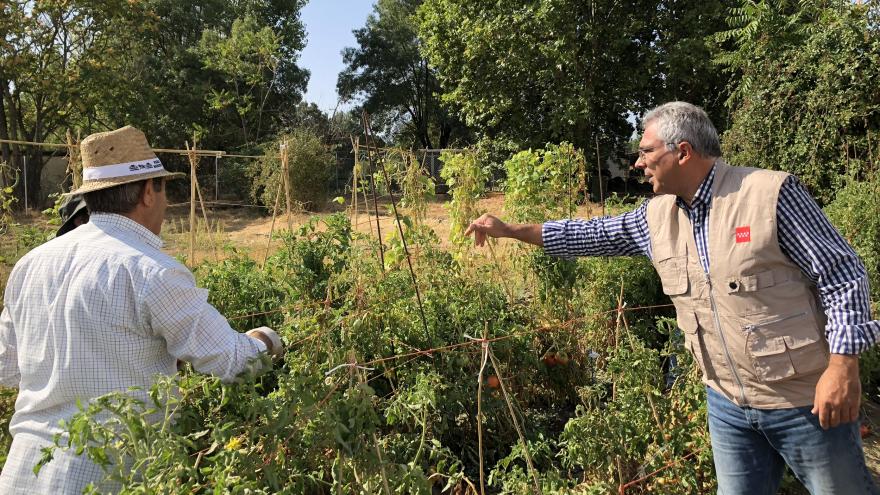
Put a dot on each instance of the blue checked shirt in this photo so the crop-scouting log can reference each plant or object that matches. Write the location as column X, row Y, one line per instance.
column 805, row 236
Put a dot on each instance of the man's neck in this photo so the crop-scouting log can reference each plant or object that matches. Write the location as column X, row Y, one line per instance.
column 700, row 172
column 140, row 216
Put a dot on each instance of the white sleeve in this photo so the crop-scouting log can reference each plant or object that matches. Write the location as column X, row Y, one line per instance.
column 195, row 331
column 10, row 375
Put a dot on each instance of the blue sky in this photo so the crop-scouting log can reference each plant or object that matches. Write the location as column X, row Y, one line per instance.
column 329, row 24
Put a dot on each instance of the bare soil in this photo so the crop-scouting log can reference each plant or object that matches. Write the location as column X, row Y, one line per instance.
column 248, row 228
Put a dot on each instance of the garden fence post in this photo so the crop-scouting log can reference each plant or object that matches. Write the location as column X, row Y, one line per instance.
column 192, row 201
column 599, row 167
column 285, row 171
column 24, row 157
column 272, row 227
column 216, row 178
column 207, row 225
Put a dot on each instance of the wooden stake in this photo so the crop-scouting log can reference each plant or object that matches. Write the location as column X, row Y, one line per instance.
column 480, row 406
column 272, row 227
column 532, row 471
column 599, row 168
column 207, row 225
column 375, row 193
column 412, row 272
column 193, row 161
column 74, row 163
column 354, row 183
column 285, row 171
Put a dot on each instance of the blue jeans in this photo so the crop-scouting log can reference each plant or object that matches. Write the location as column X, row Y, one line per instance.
column 752, row 446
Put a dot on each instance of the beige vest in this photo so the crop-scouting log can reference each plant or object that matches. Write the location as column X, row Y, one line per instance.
column 754, row 323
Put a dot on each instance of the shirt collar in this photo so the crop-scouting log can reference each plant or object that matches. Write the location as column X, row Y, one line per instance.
column 112, row 220
column 703, row 194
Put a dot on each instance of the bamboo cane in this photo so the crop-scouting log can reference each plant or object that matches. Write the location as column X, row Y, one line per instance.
column 193, row 162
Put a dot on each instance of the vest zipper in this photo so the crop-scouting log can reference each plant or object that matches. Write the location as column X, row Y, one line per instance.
column 742, row 390
column 752, row 327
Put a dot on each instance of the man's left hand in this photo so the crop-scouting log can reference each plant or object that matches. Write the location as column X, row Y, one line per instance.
column 839, row 392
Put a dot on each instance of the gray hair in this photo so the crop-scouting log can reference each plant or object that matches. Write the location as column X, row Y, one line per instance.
column 119, row 199
column 679, row 121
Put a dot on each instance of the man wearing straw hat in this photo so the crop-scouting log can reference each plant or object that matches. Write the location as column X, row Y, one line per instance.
column 102, row 309
column 772, row 301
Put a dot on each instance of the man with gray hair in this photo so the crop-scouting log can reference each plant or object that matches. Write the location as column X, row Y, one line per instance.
column 102, row 309
column 772, row 301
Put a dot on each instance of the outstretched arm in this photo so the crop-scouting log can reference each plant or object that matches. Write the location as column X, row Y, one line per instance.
column 490, row 226
column 621, row 235
column 195, row 332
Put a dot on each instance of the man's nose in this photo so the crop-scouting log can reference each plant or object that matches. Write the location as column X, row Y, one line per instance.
column 639, row 164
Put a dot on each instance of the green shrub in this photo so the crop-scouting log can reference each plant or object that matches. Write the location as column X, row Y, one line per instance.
column 544, row 184
column 310, row 165
column 854, row 213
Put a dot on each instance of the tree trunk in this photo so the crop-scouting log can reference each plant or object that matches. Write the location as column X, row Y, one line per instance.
column 445, row 134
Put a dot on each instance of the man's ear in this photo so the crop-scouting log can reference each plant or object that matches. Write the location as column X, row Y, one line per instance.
column 685, row 150
column 148, row 195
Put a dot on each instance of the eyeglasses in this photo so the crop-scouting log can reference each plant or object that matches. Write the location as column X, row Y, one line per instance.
column 641, row 152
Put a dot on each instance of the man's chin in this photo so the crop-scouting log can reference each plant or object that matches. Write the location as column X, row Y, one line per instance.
column 658, row 189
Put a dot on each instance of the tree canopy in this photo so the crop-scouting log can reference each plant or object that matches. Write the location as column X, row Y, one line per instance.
column 807, row 98
column 394, row 82
column 224, row 69
column 534, row 72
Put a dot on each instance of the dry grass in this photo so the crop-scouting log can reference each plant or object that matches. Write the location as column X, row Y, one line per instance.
column 248, row 228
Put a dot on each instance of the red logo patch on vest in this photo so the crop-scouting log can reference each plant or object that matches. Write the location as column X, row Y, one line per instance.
column 743, row 234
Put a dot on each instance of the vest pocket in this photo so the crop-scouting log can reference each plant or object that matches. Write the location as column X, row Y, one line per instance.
column 687, row 322
column 673, row 275
column 786, row 346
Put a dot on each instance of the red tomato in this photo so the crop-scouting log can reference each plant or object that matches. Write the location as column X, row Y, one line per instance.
column 493, row 381
column 562, row 358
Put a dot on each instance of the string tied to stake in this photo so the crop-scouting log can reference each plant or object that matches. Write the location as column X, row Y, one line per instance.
column 348, row 365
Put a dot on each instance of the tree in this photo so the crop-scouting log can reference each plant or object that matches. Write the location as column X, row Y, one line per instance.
column 681, row 63
column 248, row 61
column 807, row 99
column 543, row 71
column 207, row 48
column 394, row 80
column 538, row 72
column 100, row 64
column 42, row 77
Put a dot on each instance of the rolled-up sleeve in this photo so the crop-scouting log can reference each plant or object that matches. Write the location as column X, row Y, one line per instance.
column 195, row 331
column 10, row 375
column 621, row 235
column 811, row 241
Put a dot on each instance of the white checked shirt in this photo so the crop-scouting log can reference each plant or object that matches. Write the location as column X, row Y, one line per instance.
column 98, row 310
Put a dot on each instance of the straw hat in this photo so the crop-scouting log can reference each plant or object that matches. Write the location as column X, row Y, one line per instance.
column 118, row 157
